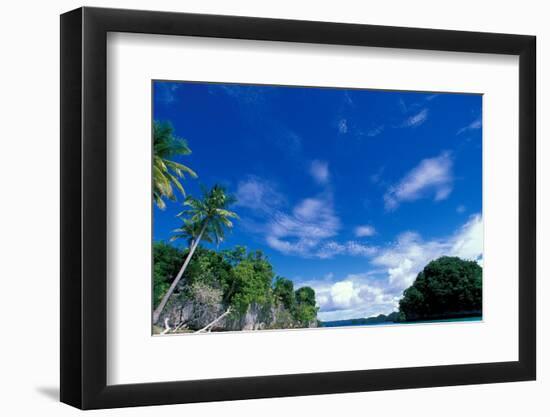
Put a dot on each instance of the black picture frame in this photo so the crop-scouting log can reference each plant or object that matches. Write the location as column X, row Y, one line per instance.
column 84, row 207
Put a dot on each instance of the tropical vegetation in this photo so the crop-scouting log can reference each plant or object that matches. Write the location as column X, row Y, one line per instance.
column 199, row 288
column 167, row 172
column 206, row 217
column 234, row 280
column 446, row 287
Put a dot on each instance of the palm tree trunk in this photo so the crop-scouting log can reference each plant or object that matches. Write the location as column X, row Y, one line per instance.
column 158, row 310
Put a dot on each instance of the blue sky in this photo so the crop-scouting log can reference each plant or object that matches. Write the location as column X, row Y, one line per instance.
column 348, row 191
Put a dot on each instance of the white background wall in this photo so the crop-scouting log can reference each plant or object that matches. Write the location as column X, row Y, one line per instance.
column 29, row 219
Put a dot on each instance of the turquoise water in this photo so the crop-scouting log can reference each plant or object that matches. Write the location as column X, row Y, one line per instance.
column 388, row 323
column 444, row 320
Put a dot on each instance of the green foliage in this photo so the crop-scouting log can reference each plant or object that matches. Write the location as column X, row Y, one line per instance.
column 251, row 282
column 209, row 268
column 234, row 256
column 305, row 310
column 167, row 172
column 447, row 286
column 235, row 278
column 305, row 314
column 305, row 295
column 283, row 291
column 208, row 217
column 189, row 231
column 166, row 263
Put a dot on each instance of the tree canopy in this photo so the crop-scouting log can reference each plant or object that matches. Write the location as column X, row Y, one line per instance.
column 207, row 217
column 242, row 278
column 166, row 263
column 447, row 286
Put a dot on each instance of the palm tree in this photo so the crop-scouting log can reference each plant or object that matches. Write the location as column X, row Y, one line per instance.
column 166, row 172
column 189, row 231
column 207, row 219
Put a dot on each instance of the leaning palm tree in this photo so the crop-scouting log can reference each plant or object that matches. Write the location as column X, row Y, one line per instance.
column 167, row 172
column 207, row 219
column 189, row 231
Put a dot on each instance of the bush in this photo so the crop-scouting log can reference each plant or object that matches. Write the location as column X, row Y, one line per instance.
column 448, row 286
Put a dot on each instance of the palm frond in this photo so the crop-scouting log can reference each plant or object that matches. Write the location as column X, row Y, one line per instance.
column 180, row 169
column 227, row 213
column 175, row 181
column 167, row 172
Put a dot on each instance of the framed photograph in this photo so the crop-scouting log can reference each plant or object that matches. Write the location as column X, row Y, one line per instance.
column 257, row 208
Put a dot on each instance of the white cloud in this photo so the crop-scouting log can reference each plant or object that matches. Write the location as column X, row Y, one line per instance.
column 416, row 119
column 308, row 230
column 330, row 249
column 301, row 232
column 351, row 247
column 364, row 231
column 259, row 195
column 375, row 131
column 410, row 253
column 319, row 171
column 358, row 249
column 475, row 125
column 343, row 294
column 343, row 126
column 430, row 176
column 468, row 243
column 354, row 296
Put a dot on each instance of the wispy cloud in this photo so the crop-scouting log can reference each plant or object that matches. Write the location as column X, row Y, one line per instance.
column 302, row 231
column 343, row 126
column 405, row 258
column 165, row 92
column 245, row 94
column 309, row 229
column 403, row 106
column 348, row 100
column 350, row 248
column 416, row 119
column 288, row 141
column 365, row 231
column 475, row 125
column 319, row 171
column 431, row 176
column 375, row 131
column 259, row 195
column 376, row 178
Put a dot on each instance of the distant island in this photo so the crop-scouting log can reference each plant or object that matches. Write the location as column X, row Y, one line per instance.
column 380, row 319
column 447, row 289
column 393, row 318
